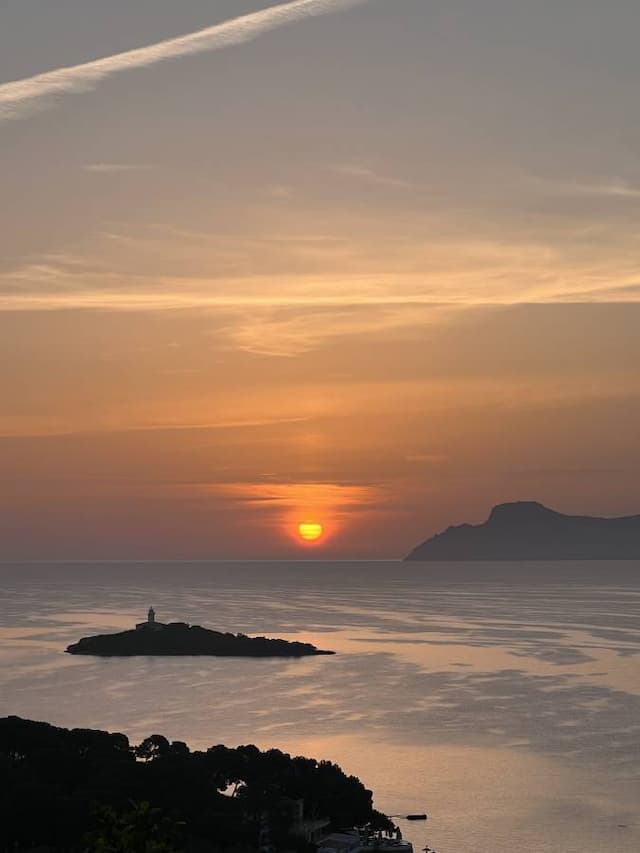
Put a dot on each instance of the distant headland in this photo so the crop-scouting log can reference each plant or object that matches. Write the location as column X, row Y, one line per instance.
column 527, row 530
column 180, row 639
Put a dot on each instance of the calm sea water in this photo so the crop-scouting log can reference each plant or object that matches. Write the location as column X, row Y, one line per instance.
column 502, row 699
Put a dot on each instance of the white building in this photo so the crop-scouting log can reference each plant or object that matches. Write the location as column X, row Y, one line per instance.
column 353, row 842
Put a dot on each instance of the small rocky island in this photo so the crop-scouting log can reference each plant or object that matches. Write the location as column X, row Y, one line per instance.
column 180, row 639
column 527, row 530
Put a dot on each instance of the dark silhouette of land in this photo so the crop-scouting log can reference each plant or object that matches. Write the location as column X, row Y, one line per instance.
column 530, row 531
column 81, row 789
column 180, row 639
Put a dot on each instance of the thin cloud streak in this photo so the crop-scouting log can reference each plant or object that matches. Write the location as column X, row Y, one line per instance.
column 48, row 431
column 115, row 168
column 167, row 301
column 21, row 98
column 368, row 175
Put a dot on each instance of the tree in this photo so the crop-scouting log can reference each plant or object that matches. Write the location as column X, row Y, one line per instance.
column 154, row 746
column 142, row 829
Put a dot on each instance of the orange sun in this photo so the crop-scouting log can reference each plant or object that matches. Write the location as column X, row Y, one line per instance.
column 310, row 531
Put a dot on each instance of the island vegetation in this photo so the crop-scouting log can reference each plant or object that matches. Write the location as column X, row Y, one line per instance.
column 87, row 790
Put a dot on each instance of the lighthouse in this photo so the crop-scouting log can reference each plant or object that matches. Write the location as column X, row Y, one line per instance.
column 150, row 624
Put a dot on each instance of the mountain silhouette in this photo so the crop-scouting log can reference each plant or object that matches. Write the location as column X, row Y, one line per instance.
column 527, row 530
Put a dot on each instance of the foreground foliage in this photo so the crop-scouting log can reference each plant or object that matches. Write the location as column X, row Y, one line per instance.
column 81, row 789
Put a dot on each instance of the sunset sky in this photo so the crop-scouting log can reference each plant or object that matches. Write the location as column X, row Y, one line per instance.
column 367, row 264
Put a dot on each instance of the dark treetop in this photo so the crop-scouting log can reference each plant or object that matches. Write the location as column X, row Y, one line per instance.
column 178, row 638
column 530, row 531
column 84, row 790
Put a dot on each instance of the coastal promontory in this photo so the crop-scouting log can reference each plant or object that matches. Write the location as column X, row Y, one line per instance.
column 527, row 530
column 67, row 790
column 180, row 639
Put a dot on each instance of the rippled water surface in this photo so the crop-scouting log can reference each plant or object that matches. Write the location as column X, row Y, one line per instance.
column 502, row 699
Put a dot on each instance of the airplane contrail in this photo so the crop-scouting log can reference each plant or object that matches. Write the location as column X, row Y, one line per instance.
column 20, row 98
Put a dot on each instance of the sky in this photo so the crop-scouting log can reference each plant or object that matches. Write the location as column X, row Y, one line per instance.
column 367, row 264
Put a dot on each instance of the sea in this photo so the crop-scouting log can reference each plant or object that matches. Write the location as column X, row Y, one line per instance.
column 503, row 699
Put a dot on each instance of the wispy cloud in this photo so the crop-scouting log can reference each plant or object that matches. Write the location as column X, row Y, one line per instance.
column 365, row 173
column 611, row 188
column 292, row 333
column 452, row 273
column 115, row 168
column 20, row 98
column 428, row 458
column 30, row 427
column 293, row 495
